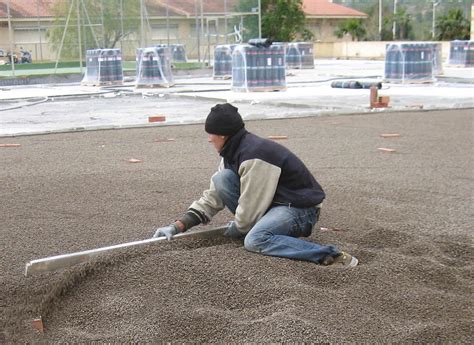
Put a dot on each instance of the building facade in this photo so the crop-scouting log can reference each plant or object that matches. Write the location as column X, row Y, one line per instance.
column 197, row 24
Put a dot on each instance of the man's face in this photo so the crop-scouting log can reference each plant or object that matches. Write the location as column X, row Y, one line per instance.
column 217, row 140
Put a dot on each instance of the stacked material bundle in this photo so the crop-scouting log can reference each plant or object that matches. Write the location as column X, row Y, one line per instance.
column 223, row 61
column 461, row 53
column 92, row 67
column 282, row 44
column 154, row 67
column 437, row 58
column 299, row 55
column 258, row 68
column 178, row 52
column 409, row 62
column 103, row 67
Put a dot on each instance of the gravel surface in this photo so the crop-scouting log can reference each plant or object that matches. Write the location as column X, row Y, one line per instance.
column 407, row 216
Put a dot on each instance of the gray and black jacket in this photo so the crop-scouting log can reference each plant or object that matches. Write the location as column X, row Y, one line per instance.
column 270, row 175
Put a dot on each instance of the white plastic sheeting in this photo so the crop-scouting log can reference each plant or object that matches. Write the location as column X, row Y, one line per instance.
column 258, row 68
column 299, row 55
column 154, row 67
column 223, row 61
column 103, row 66
column 412, row 62
column 461, row 53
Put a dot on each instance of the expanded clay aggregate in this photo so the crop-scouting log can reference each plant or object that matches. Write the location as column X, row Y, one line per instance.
column 406, row 215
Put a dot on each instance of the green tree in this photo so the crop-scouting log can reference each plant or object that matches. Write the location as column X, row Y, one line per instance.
column 353, row 27
column 453, row 26
column 101, row 24
column 403, row 28
column 421, row 16
column 282, row 20
column 371, row 23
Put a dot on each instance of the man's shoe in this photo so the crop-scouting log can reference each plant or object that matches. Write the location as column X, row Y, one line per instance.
column 344, row 259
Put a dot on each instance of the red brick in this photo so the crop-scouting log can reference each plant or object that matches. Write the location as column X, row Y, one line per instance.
column 157, row 118
column 38, row 324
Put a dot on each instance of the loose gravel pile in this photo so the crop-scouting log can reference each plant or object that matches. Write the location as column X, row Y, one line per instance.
column 407, row 216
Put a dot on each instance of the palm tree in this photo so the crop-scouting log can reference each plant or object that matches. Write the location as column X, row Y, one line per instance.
column 403, row 20
column 353, row 27
column 453, row 26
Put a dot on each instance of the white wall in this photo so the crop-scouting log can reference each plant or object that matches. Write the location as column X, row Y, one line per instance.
column 373, row 50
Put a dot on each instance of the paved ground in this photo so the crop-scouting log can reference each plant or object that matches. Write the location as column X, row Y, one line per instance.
column 66, row 107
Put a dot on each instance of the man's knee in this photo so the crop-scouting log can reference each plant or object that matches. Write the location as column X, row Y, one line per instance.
column 256, row 242
column 250, row 244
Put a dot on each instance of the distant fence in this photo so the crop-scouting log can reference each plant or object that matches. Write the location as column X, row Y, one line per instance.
column 370, row 50
column 45, row 52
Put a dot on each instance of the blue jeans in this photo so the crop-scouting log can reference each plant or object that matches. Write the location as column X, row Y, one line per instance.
column 277, row 232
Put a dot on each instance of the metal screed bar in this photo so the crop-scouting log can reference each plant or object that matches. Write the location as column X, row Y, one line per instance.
column 54, row 263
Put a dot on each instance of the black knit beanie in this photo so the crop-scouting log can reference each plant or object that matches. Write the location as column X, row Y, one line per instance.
column 224, row 119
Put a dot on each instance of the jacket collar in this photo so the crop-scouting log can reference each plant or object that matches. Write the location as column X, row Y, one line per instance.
column 232, row 144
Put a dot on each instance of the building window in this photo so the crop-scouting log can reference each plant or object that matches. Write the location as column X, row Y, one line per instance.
column 161, row 31
column 212, row 28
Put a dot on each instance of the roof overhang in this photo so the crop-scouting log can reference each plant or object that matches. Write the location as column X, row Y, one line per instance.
column 335, row 17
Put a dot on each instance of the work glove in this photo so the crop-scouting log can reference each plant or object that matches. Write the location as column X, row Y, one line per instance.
column 232, row 231
column 168, row 231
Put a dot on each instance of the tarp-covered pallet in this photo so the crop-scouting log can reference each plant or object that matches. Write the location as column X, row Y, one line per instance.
column 299, row 55
column 409, row 62
column 461, row 53
column 223, row 61
column 258, row 68
column 103, row 67
column 154, row 67
column 178, row 52
column 437, row 58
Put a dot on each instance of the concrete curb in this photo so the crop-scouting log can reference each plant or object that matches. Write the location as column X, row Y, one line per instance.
column 77, row 77
column 323, row 113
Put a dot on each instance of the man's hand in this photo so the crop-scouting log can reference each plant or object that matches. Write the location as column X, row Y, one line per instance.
column 232, row 231
column 168, row 231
